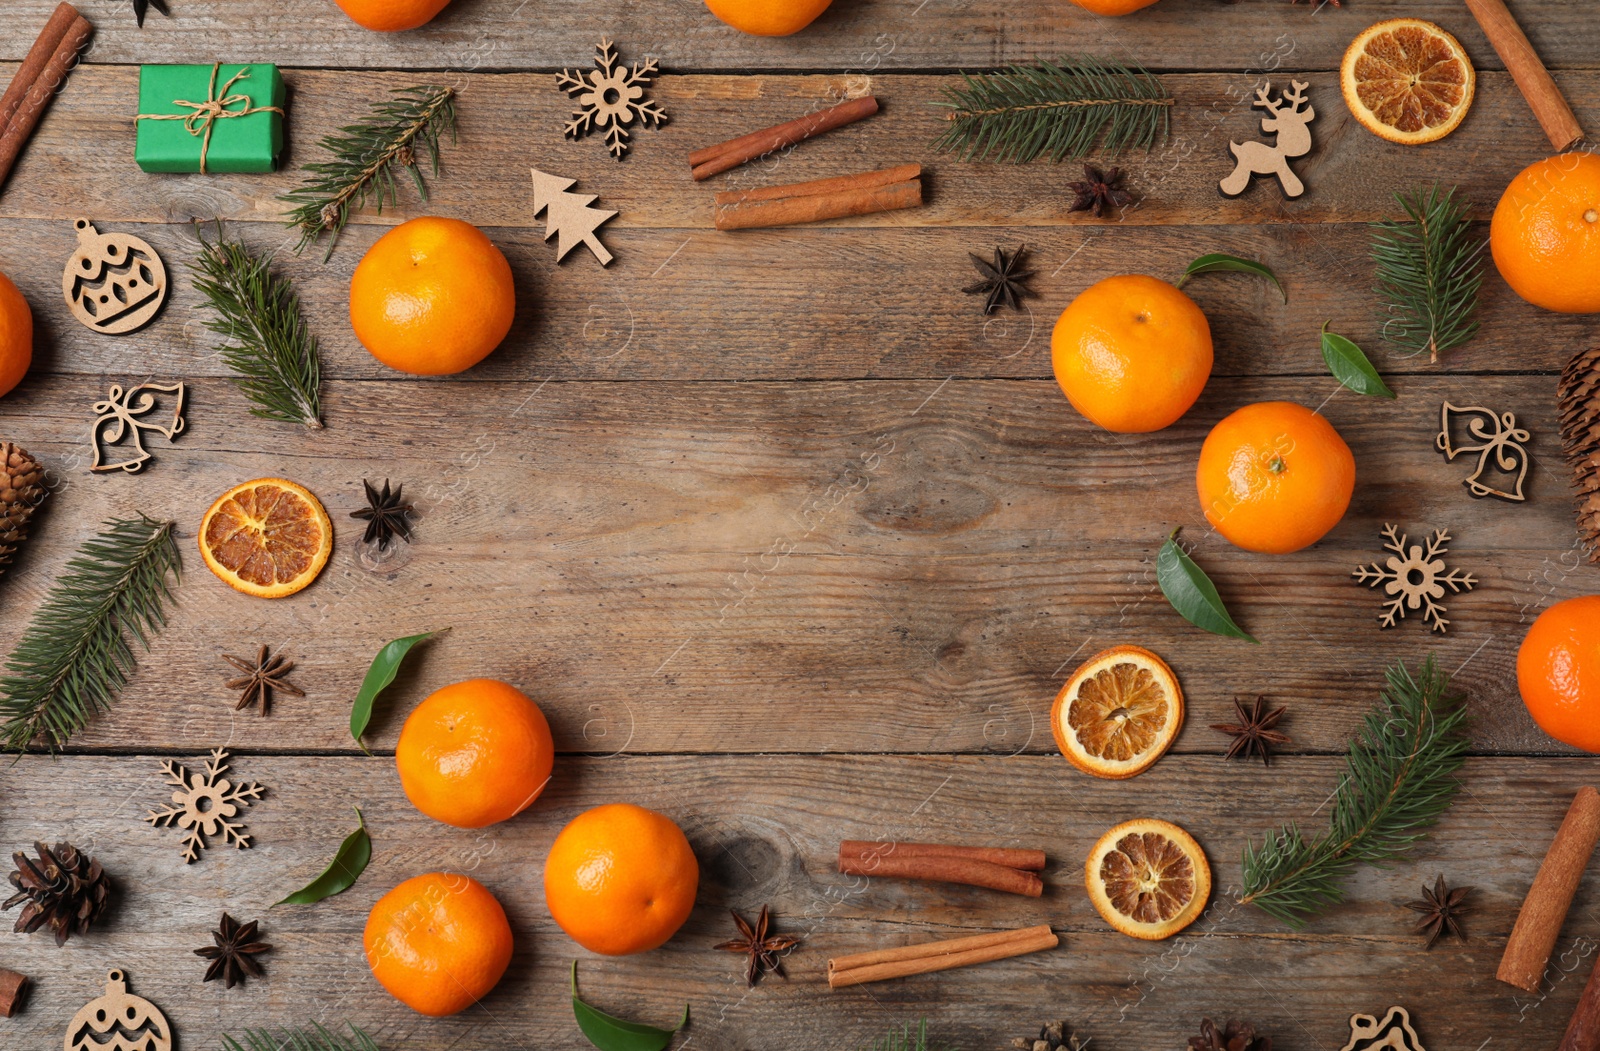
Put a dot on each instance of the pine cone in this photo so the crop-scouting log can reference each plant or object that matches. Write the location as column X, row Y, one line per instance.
column 21, row 490
column 65, row 889
column 1052, row 1037
column 1579, row 394
column 1235, row 1036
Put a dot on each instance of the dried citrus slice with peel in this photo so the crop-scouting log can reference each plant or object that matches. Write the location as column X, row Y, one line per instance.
column 1407, row 81
column 267, row 538
column 1149, row 879
column 1118, row 713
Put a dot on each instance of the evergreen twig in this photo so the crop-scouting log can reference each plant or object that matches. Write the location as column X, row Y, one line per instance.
column 365, row 157
column 268, row 343
column 75, row 655
column 315, row 1039
column 905, row 1039
column 1400, row 779
column 1060, row 109
column 1429, row 272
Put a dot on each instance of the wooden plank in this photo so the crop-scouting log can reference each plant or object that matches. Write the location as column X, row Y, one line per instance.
column 758, row 843
column 866, row 34
column 800, row 567
column 512, row 121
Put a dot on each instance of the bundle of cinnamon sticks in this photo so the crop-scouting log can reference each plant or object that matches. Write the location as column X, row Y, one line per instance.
column 906, row 960
column 807, row 202
column 38, row 79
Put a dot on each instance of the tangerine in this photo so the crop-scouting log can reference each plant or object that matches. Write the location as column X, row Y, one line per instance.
column 1132, row 353
column 1113, row 7
column 1545, row 235
column 432, row 297
column 16, row 336
column 438, row 942
column 1274, row 477
column 1558, row 672
column 390, row 16
column 474, row 753
column 768, row 17
column 620, row 879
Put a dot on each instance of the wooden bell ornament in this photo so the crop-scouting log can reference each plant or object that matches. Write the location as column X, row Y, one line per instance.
column 118, row 1020
column 114, row 283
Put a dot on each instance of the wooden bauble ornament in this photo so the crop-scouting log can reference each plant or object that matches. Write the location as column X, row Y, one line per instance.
column 1492, row 434
column 1293, row 128
column 1394, row 1033
column 114, row 283
column 118, row 1021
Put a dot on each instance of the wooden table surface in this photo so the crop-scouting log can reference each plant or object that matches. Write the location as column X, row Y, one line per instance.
column 787, row 539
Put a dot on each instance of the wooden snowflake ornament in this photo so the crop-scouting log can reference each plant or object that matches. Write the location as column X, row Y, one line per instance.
column 1394, row 1033
column 1416, row 578
column 610, row 96
column 205, row 804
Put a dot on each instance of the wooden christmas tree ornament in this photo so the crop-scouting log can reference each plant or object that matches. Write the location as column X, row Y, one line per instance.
column 120, row 416
column 1293, row 128
column 1415, row 577
column 114, row 283
column 203, row 804
column 1394, row 1033
column 1491, row 434
column 118, row 1020
column 568, row 217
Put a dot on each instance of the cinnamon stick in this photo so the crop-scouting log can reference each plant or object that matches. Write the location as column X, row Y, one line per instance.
column 997, row 868
column 863, row 194
column 1545, row 908
column 1583, row 1030
column 1533, row 80
column 1010, row 857
column 38, row 56
column 713, row 160
column 39, row 94
column 12, row 988
column 927, row 957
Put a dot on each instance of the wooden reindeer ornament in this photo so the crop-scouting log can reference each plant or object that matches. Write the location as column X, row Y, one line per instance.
column 1292, row 126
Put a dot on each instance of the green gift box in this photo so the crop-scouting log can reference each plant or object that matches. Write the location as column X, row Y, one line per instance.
column 216, row 118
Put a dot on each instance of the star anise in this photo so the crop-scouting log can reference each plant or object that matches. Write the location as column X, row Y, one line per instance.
column 1099, row 191
column 762, row 947
column 1442, row 908
column 1254, row 734
column 260, row 679
column 1002, row 281
column 386, row 516
column 234, row 954
column 1234, row 1036
column 140, row 6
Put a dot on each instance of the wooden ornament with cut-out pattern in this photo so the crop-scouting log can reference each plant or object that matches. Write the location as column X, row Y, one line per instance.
column 114, row 283
column 118, row 1020
column 1394, row 1033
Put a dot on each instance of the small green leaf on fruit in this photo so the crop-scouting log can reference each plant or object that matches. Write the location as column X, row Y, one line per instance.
column 1218, row 261
column 341, row 874
column 385, row 666
column 1350, row 366
column 616, row 1034
column 1191, row 592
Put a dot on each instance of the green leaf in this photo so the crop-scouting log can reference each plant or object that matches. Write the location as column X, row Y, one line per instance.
column 385, row 666
column 615, row 1034
column 1217, row 261
column 1191, row 592
column 1350, row 366
column 342, row 872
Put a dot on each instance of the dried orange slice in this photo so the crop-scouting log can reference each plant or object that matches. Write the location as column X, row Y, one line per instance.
column 267, row 538
column 1118, row 713
column 1149, row 879
column 1407, row 81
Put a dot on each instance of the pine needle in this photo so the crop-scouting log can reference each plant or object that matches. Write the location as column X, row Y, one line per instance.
column 75, row 657
column 268, row 343
column 365, row 157
column 1429, row 273
column 905, row 1039
column 1400, row 780
column 1062, row 110
column 314, row 1039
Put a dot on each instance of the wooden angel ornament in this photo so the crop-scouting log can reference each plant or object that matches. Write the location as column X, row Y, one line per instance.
column 1497, row 440
column 113, row 283
column 122, row 415
column 1293, row 128
column 118, row 1020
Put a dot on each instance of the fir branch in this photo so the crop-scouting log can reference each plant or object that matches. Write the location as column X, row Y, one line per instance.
column 1429, row 273
column 74, row 657
column 1062, row 110
column 365, row 157
column 905, row 1039
column 268, row 343
column 1400, row 780
column 314, row 1039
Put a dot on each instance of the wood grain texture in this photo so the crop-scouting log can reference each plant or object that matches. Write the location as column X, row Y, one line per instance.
column 757, row 843
column 799, row 567
column 511, row 34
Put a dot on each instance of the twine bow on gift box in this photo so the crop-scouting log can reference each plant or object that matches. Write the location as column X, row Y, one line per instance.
column 207, row 113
